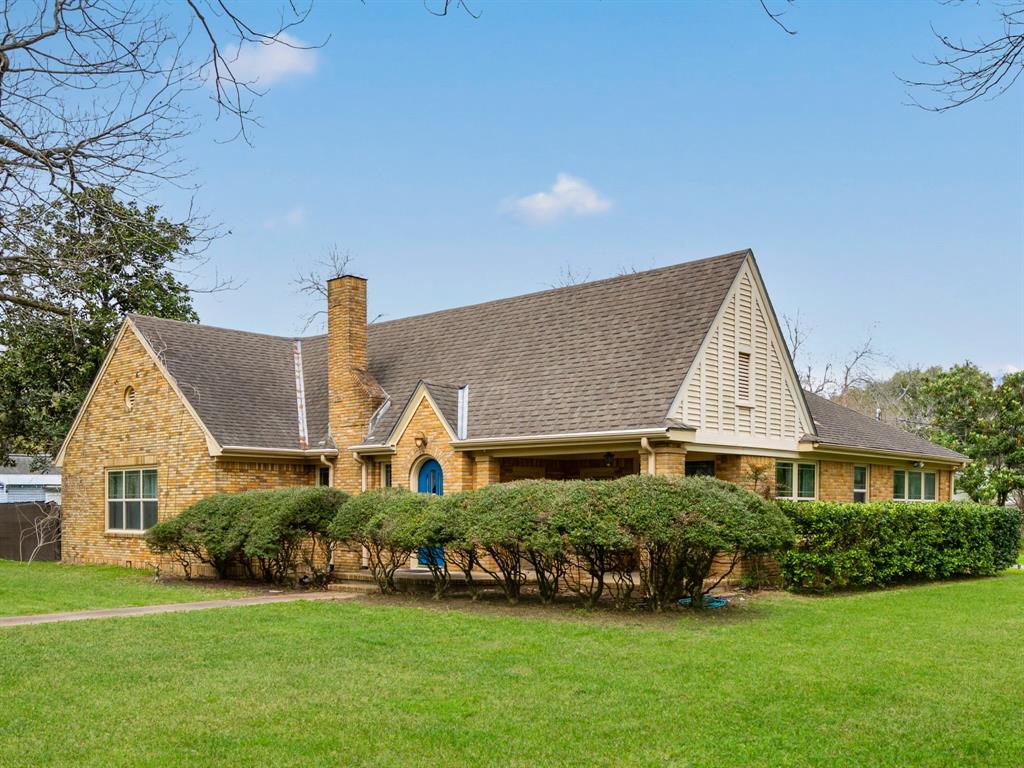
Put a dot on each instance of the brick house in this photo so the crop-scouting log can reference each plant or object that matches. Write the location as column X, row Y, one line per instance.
column 678, row 370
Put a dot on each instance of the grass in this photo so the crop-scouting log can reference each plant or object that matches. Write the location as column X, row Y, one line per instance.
column 51, row 587
column 927, row 675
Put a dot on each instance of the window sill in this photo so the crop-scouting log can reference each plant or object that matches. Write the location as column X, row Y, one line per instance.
column 124, row 534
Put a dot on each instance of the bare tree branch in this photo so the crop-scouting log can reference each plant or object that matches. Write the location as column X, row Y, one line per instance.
column 976, row 70
column 776, row 16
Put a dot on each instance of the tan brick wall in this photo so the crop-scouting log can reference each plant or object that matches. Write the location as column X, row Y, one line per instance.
column 158, row 432
column 751, row 472
column 487, row 470
column 835, row 481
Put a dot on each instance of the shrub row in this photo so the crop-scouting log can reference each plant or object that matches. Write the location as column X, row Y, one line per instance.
column 856, row 545
column 587, row 536
column 269, row 533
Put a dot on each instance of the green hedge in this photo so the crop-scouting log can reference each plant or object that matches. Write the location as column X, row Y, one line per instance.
column 586, row 535
column 858, row 545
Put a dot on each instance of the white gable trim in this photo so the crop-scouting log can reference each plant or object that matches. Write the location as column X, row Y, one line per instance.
column 419, row 394
column 749, row 266
column 211, row 443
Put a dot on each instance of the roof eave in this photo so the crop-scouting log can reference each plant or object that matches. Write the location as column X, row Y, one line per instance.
column 820, row 445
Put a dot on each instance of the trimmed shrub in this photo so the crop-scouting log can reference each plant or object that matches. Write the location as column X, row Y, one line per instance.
column 277, row 530
column 598, row 547
column 544, row 547
column 500, row 521
column 386, row 522
column 857, row 545
column 680, row 525
column 450, row 525
column 432, row 532
column 288, row 528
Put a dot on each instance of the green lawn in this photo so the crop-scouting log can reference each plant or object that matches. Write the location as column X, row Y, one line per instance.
column 929, row 675
column 51, row 587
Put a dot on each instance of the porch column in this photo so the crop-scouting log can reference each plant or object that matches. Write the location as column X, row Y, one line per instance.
column 487, row 470
column 669, row 460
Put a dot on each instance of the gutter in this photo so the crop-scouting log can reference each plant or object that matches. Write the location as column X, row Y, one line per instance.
column 298, row 453
column 573, row 438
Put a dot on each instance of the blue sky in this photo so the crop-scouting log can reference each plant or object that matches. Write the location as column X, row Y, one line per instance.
column 429, row 148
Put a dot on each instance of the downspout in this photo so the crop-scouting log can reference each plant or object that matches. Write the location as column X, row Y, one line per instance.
column 364, row 559
column 362, row 470
column 645, row 446
column 330, row 469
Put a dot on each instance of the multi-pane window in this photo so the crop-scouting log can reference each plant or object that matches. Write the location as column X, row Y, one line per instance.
column 131, row 499
column 913, row 485
column 323, row 476
column 385, row 475
column 860, row 484
column 795, row 481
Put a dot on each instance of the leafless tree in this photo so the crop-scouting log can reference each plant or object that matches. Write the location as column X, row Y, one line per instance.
column 831, row 379
column 568, row 276
column 335, row 263
column 972, row 70
column 40, row 530
column 98, row 93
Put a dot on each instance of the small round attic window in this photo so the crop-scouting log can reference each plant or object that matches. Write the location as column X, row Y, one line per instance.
column 129, row 398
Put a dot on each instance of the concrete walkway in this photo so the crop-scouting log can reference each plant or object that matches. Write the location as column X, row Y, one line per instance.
column 146, row 610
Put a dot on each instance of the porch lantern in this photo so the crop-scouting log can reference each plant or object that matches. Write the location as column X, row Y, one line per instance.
column 609, row 459
column 421, row 441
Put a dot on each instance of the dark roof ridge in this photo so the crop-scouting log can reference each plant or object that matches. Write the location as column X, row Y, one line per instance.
column 132, row 315
column 566, row 288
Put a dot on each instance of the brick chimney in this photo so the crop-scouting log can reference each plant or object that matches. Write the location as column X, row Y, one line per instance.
column 350, row 403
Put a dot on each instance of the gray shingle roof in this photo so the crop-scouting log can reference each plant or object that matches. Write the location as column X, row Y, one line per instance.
column 600, row 356
column 840, row 426
column 242, row 384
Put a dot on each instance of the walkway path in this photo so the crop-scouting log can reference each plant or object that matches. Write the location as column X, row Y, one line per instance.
column 146, row 610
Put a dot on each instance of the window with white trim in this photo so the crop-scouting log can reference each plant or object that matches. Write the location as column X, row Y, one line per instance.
column 860, row 484
column 131, row 499
column 743, row 377
column 795, row 481
column 913, row 485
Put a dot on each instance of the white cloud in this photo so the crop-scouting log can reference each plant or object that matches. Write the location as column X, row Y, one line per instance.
column 293, row 217
column 1010, row 368
column 262, row 64
column 568, row 196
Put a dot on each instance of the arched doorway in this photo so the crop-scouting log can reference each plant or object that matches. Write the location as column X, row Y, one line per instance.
column 431, row 480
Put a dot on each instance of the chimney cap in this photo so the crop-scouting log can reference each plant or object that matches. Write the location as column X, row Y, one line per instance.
column 346, row 277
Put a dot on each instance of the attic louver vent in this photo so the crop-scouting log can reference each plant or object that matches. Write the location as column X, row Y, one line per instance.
column 743, row 376
column 129, row 398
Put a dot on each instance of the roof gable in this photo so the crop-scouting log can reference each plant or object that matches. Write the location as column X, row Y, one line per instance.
column 243, row 385
column 599, row 356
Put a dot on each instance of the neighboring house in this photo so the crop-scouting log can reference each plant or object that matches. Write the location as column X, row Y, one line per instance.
column 679, row 370
column 19, row 482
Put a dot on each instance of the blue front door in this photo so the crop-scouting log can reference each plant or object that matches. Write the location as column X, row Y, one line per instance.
column 431, row 480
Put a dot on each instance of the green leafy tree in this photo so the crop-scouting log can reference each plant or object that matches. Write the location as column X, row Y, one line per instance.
column 127, row 257
column 985, row 422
